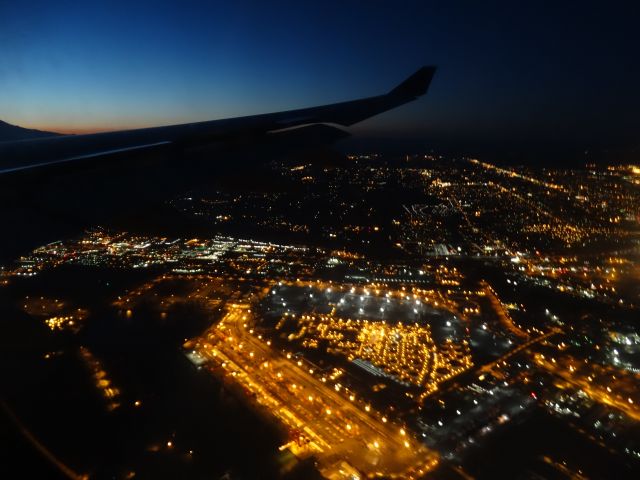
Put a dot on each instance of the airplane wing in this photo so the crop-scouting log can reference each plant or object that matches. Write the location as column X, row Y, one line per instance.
column 49, row 156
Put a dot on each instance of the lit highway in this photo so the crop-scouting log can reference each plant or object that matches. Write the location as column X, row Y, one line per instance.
column 320, row 420
column 597, row 382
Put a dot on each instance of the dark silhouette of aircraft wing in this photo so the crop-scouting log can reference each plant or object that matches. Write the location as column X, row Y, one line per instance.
column 71, row 153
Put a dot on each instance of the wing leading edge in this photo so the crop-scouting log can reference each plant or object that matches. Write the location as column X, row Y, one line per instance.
column 71, row 151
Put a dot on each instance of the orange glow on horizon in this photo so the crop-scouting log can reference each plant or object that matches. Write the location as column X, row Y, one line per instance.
column 74, row 130
column 71, row 130
column 83, row 129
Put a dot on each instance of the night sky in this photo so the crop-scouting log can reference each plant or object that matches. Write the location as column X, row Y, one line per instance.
column 508, row 74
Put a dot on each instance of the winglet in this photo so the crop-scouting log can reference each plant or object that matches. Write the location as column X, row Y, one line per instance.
column 416, row 85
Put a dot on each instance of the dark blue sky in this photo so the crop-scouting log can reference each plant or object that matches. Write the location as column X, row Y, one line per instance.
column 507, row 72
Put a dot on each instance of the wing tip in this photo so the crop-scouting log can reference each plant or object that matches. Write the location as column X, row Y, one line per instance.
column 416, row 85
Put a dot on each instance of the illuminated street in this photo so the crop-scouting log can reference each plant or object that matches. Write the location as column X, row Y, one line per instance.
column 605, row 385
column 321, row 419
